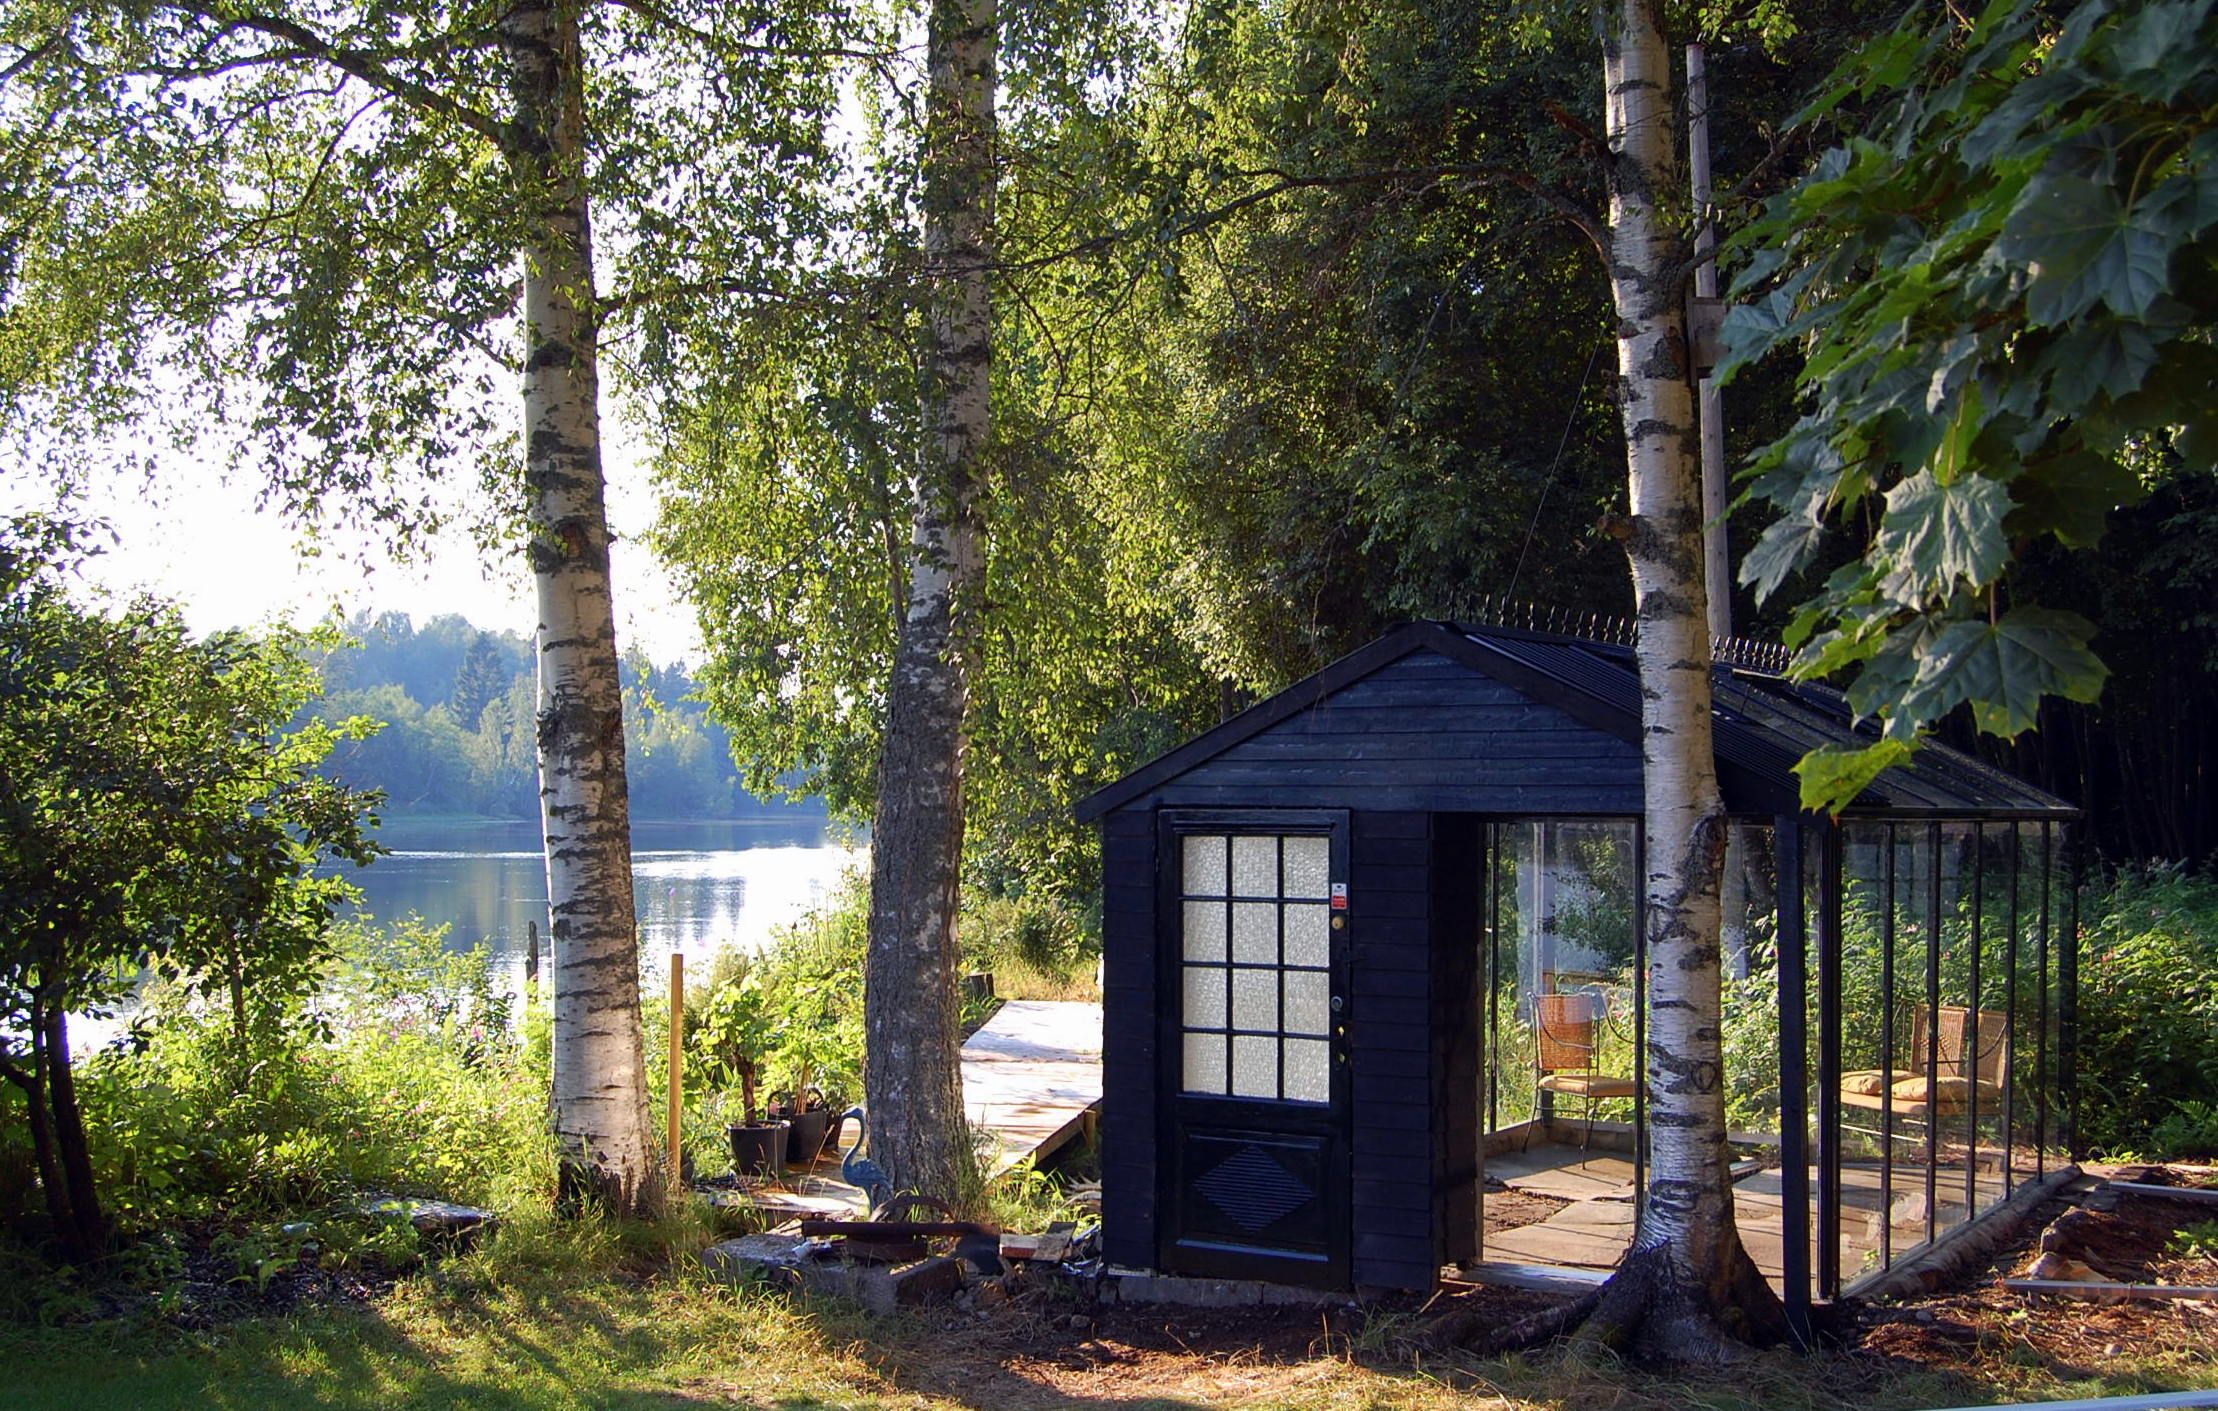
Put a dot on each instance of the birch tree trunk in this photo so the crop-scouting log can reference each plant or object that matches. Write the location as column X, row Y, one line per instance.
column 1687, row 1290
column 600, row 1090
column 912, row 1069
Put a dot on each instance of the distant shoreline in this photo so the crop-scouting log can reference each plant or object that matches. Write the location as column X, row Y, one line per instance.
column 807, row 812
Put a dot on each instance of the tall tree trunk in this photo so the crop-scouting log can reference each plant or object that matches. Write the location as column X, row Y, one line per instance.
column 1687, row 1290
column 43, row 1146
column 600, row 1088
column 89, row 1229
column 912, row 1074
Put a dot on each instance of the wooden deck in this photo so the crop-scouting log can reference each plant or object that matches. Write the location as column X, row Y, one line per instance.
column 1594, row 1230
column 1031, row 1076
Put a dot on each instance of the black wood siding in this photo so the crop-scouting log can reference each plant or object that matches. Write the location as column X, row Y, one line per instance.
column 1396, row 1243
column 1457, row 1015
column 1421, row 733
column 1128, row 1029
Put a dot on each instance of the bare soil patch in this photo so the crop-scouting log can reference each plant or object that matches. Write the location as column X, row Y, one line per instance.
column 1508, row 1209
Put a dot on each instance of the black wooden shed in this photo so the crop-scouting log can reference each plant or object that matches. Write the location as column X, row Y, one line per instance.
column 1370, row 939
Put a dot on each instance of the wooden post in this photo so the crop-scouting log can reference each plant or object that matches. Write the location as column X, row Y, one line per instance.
column 677, row 1071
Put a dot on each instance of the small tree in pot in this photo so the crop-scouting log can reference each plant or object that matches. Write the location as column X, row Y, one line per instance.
column 734, row 1038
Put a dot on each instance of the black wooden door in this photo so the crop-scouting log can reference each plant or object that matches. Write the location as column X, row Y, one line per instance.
column 1255, row 1179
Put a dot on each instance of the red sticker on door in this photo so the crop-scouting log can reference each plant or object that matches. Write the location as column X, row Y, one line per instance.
column 1339, row 896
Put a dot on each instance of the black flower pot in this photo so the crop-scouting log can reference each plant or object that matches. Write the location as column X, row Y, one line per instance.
column 759, row 1149
column 805, row 1137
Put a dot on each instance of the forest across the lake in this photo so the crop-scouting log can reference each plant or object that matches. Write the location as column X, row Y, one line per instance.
column 455, row 706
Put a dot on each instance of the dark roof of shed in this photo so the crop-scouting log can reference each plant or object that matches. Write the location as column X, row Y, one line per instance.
column 1764, row 723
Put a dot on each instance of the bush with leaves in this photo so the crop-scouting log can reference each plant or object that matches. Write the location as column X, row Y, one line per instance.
column 363, row 1096
column 2001, row 284
column 2148, row 1007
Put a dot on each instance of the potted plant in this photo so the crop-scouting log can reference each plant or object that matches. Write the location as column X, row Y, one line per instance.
column 812, row 1035
column 807, row 1115
column 735, row 1035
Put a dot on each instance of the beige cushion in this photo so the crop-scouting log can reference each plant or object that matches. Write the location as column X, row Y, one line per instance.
column 1949, row 1090
column 1871, row 1082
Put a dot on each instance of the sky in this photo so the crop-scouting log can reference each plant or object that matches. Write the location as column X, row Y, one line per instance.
column 203, row 542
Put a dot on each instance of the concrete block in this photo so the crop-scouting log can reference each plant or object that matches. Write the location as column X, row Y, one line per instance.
column 1133, row 1287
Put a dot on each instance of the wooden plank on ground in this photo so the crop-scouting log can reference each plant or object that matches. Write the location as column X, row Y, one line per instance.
column 1030, row 1075
column 2100, row 1290
column 1545, row 1278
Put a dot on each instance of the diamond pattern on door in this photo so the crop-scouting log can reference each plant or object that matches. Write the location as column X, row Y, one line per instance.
column 1253, row 1190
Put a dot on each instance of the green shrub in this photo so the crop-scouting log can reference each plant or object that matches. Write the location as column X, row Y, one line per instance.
column 428, row 1096
column 2190, row 1132
column 2148, row 1008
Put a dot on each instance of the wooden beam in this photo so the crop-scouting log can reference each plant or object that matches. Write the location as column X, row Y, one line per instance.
column 2171, row 1192
column 2103, row 1289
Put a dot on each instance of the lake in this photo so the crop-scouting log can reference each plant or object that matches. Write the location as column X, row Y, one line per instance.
column 701, row 886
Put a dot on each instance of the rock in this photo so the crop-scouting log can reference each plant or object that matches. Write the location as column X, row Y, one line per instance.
column 2057, row 1266
column 439, row 1222
column 929, row 1281
column 778, row 1258
column 790, row 1262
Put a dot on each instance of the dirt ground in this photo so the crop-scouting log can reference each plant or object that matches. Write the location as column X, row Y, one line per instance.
column 1508, row 1209
column 1050, row 1346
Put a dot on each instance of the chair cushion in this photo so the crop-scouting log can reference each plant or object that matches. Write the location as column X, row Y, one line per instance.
column 1586, row 1085
column 1948, row 1090
column 1871, row 1082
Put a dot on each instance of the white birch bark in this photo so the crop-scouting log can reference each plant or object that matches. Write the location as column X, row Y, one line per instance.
column 1687, row 1290
column 600, row 1089
column 912, row 1068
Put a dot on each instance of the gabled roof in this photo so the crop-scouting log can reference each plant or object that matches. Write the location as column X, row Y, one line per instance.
column 1764, row 724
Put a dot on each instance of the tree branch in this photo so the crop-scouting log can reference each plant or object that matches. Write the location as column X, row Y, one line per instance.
column 657, row 16
column 370, row 66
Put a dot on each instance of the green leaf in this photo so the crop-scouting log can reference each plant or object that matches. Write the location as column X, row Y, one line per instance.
column 1938, row 534
column 2159, row 49
column 2082, row 247
column 1832, row 776
column 2071, row 496
column 2002, row 670
column 1784, row 547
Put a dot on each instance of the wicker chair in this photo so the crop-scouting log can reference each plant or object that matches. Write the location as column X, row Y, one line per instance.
column 1568, row 1034
column 1974, row 1061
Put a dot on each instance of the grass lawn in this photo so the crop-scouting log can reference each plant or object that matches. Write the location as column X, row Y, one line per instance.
column 540, row 1321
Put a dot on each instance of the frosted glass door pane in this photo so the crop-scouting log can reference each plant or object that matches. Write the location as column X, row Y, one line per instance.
column 1255, row 999
column 1255, row 867
column 1255, row 932
column 1205, row 865
column 1308, row 935
column 1254, row 1067
column 1205, row 997
column 1308, row 867
column 1308, row 1070
column 1205, row 1063
column 1205, row 930
column 1307, row 1003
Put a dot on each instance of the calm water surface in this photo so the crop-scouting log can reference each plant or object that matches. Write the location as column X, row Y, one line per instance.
column 701, row 887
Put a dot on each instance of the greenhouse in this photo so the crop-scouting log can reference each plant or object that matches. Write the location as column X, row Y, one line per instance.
column 1375, row 983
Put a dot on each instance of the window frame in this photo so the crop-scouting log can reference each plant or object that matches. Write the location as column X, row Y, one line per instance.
column 1278, row 826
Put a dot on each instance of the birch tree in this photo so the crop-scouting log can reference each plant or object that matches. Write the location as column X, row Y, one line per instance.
column 1687, row 1290
column 912, row 1069
column 599, row 1060
column 323, row 212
